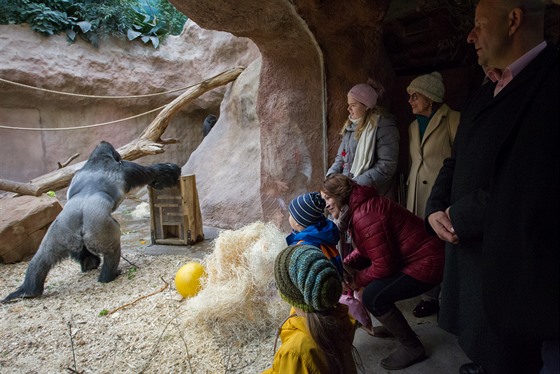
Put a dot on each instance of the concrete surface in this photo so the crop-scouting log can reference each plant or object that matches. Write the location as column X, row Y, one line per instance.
column 444, row 354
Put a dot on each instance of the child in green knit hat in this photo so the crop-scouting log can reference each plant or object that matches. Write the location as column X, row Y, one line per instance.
column 317, row 337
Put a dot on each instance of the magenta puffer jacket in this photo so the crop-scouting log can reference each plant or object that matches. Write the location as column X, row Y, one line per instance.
column 392, row 238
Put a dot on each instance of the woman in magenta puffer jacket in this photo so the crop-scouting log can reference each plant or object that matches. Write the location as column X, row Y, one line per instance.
column 394, row 258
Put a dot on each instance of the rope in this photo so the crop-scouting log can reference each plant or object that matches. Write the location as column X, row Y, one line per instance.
column 81, row 127
column 95, row 96
column 92, row 96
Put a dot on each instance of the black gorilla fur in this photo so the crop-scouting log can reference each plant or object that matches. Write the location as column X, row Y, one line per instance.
column 208, row 124
column 85, row 229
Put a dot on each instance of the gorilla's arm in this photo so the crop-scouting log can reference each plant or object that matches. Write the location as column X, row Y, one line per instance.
column 157, row 175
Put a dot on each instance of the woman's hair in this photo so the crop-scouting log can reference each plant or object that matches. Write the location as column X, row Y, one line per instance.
column 328, row 332
column 368, row 117
column 339, row 187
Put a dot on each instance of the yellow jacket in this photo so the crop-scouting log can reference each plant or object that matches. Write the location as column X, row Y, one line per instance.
column 299, row 354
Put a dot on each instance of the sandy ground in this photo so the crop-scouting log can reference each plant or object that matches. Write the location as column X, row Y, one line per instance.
column 64, row 331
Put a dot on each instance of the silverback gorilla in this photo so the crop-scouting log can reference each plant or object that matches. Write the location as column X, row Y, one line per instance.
column 85, row 229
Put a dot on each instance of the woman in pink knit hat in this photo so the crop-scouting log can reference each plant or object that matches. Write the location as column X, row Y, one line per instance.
column 369, row 150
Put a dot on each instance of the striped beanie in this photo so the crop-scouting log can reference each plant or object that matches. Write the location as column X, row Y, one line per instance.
column 306, row 279
column 308, row 209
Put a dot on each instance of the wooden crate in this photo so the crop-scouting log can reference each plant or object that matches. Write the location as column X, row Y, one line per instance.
column 175, row 216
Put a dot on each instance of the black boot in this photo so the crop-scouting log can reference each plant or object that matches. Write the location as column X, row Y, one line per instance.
column 410, row 350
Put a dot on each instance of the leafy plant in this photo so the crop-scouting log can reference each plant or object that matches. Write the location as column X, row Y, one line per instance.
column 148, row 20
column 148, row 24
column 44, row 19
column 131, row 272
column 104, row 312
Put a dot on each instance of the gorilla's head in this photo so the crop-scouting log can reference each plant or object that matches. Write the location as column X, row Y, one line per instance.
column 105, row 149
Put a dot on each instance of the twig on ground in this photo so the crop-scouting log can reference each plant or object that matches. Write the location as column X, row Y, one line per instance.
column 141, row 297
column 72, row 370
column 185, row 342
column 131, row 264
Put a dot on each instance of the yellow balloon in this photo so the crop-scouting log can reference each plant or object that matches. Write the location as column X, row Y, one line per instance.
column 187, row 279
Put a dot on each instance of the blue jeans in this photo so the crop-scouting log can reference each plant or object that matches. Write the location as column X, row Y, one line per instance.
column 381, row 294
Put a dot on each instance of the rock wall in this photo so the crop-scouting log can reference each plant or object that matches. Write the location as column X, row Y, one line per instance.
column 117, row 67
column 306, row 71
column 227, row 162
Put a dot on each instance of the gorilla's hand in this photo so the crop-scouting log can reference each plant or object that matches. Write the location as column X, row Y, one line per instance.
column 165, row 175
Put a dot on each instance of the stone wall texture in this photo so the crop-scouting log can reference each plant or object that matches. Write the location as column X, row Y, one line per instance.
column 116, row 68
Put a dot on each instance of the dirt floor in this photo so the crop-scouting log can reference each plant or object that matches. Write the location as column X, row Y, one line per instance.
column 65, row 329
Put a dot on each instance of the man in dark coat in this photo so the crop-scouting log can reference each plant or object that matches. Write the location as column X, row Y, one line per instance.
column 495, row 201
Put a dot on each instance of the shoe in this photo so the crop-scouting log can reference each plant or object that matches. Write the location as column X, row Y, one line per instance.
column 472, row 368
column 426, row 308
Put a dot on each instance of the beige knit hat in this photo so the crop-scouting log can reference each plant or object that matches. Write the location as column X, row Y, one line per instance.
column 429, row 85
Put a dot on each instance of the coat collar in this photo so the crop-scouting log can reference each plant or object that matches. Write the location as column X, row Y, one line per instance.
column 533, row 71
column 434, row 123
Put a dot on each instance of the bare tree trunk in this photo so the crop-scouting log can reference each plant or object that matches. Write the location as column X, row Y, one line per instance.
column 149, row 142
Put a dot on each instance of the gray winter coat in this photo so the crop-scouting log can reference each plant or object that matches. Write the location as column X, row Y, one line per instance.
column 384, row 164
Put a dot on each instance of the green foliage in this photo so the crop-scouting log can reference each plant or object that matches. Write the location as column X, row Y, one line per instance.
column 154, row 19
column 175, row 19
column 148, row 20
column 104, row 312
column 131, row 272
column 148, row 26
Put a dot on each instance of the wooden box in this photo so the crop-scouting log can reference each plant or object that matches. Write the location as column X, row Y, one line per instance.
column 175, row 216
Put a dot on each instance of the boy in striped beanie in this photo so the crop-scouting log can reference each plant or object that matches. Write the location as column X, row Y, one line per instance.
column 311, row 226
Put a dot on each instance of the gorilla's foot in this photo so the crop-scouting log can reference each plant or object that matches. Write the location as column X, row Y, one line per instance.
column 90, row 263
column 20, row 294
column 106, row 277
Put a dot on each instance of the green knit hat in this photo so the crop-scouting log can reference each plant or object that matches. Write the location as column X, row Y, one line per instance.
column 307, row 279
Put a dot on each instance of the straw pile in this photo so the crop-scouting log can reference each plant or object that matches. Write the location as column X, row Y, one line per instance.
column 239, row 300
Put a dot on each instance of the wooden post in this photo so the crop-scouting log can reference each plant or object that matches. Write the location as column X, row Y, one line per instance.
column 191, row 209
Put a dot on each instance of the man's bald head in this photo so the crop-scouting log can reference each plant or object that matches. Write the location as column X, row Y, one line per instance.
column 504, row 30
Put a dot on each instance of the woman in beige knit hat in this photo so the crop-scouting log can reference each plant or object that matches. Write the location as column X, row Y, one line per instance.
column 431, row 137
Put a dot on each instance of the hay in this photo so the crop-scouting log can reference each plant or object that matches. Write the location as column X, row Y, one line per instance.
column 238, row 300
column 228, row 328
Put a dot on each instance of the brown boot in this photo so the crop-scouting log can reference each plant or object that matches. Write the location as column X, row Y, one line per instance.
column 378, row 331
column 410, row 349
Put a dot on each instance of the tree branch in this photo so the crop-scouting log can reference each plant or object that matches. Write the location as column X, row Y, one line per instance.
column 149, row 142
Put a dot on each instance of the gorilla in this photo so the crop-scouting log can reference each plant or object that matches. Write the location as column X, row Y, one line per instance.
column 85, row 229
column 209, row 122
